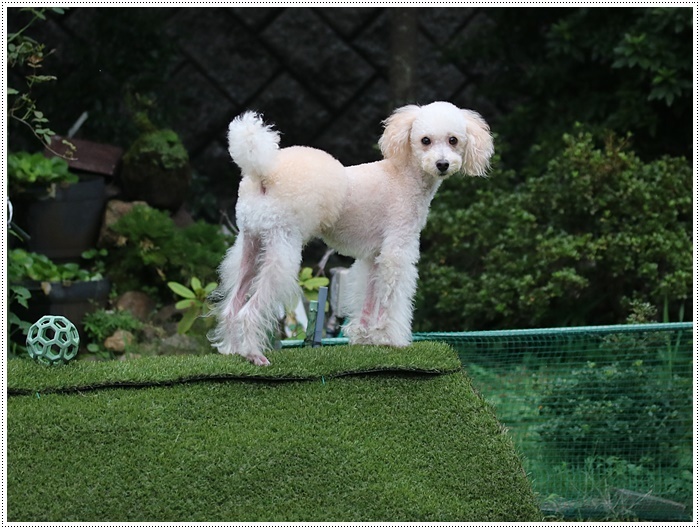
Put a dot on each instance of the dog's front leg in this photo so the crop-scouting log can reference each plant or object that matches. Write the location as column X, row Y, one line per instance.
column 395, row 285
column 361, row 300
column 384, row 316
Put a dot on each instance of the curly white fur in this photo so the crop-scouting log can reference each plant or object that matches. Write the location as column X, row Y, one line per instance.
column 373, row 212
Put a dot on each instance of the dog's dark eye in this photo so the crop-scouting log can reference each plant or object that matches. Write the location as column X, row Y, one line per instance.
column 425, row 141
column 453, row 140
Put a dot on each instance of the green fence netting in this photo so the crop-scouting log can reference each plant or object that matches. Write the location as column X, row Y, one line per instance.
column 602, row 416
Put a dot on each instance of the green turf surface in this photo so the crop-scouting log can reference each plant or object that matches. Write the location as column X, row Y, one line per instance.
column 297, row 364
column 329, row 434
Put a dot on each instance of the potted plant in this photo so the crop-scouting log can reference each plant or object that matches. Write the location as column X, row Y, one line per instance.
column 156, row 167
column 38, row 286
column 60, row 210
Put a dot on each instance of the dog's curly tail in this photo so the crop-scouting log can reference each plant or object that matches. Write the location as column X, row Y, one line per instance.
column 252, row 144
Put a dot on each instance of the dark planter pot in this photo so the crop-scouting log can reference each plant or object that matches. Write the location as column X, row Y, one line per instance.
column 72, row 300
column 64, row 226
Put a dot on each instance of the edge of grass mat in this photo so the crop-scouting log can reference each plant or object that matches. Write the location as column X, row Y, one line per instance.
column 25, row 377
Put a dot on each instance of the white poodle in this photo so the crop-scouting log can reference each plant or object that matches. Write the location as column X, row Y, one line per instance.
column 372, row 212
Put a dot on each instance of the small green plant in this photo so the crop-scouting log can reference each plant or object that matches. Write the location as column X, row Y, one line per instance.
column 160, row 148
column 194, row 302
column 102, row 324
column 310, row 284
column 24, row 265
column 19, row 295
column 26, row 170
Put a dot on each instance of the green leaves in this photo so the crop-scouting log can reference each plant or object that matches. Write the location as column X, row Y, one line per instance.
column 25, row 169
column 616, row 69
column 27, row 55
column 194, row 303
column 590, row 411
column 310, row 283
column 573, row 245
column 153, row 251
column 24, row 265
column 181, row 290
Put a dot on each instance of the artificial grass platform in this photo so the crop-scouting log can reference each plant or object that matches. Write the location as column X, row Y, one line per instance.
column 328, row 434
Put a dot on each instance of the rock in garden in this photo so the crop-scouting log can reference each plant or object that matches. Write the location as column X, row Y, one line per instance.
column 138, row 303
column 118, row 342
column 178, row 344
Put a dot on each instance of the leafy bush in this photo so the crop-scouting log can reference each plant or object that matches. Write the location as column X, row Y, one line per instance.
column 154, row 251
column 614, row 410
column 24, row 265
column 101, row 324
column 25, row 169
column 597, row 230
column 619, row 69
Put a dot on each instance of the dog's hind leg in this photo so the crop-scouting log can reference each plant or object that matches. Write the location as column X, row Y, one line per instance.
column 246, row 273
column 274, row 287
column 236, row 277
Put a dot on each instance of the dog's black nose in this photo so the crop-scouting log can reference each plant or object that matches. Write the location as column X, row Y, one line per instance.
column 442, row 165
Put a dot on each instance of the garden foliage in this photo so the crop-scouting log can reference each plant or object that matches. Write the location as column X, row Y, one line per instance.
column 597, row 230
column 25, row 57
column 154, row 251
column 592, row 412
column 620, row 69
column 101, row 324
column 31, row 170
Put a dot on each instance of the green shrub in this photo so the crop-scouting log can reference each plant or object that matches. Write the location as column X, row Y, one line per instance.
column 598, row 229
column 155, row 251
column 614, row 410
column 618, row 69
column 25, row 170
column 23, row 265
column 101, row 324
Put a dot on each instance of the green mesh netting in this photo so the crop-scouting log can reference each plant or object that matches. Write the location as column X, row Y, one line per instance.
column 602, row 416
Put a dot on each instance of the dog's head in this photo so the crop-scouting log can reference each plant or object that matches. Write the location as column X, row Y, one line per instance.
column 442, row 138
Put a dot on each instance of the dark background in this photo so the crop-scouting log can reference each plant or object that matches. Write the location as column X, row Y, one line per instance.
column 321, row 75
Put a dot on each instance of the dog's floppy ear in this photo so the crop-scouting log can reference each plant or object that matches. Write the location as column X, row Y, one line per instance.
column 395, row 142
column 479, row 145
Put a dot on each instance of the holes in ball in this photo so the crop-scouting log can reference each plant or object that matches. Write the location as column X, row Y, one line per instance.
column 54, row 352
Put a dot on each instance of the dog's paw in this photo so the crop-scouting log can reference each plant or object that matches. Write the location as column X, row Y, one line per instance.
column 377, row 336
column 257, row 359
column 355, row 332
